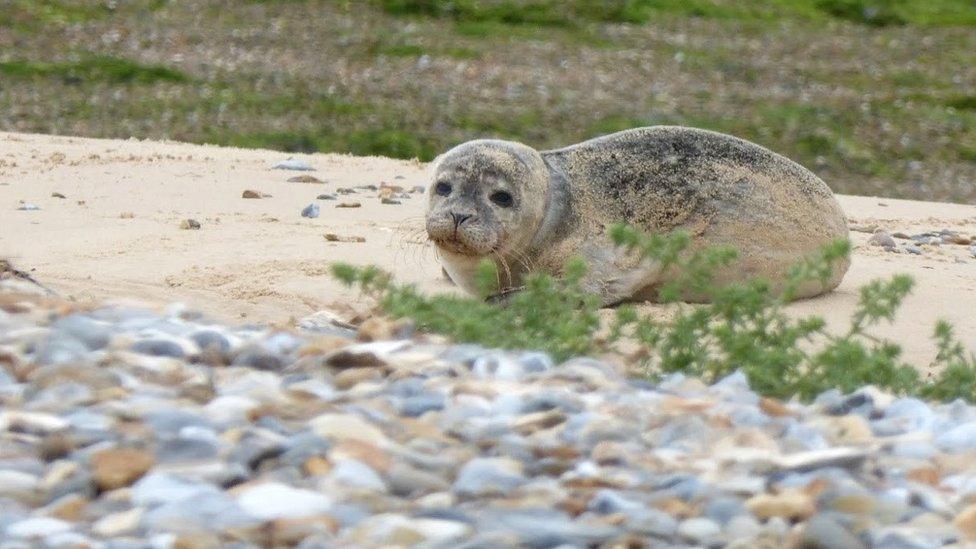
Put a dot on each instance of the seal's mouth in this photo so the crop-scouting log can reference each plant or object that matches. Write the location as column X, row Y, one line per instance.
column 455, row 246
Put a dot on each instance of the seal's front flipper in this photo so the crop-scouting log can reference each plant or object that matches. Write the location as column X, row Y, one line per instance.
column 625, row 285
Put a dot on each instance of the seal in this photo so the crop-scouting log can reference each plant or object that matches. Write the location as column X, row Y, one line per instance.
column 532, row 211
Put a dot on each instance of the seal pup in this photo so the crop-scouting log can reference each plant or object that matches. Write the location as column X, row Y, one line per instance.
column 531, row 211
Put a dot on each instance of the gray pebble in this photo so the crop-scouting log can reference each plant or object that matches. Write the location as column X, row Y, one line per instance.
column 821, row 532
column 356, row 474
column 544, row 528
column 293, row 164
column 482, row 476
column 203, row 511
column 408, row 481
column 258, row 358
column 180, row 449
column 723, row 509
column 211, row 340
column 311, row 211
column 961, row 438
column 418, row 405
column 158, row 347
column 160, row 488
column 95, row 335
column 60, row 350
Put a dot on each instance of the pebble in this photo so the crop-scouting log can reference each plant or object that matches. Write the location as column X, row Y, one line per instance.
column 354, row 473
column 161, row 488
column 794, row 504
column 305, row 179
column 912, row 249
column 251, row 194
column 138, row 429
column 118, row 467
column 37, row 527
column 822, row 532
column 883, row 239
column 326, row 197
column 207, row 339
column 293, row 164
column 190, row 225
column 95, row 335
column 699, row 530
column 348, row 205
column 17, row 484
column 966, row 522
column 482, row 476
column 118, row 524
column 332, row 237
column 346, row 426
column 274, row 500
column 311, row 211
column 28, row 207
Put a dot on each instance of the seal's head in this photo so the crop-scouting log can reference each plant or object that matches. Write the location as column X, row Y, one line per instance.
column 487, row 197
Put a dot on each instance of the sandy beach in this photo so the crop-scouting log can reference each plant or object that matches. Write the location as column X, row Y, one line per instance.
column 116, row 233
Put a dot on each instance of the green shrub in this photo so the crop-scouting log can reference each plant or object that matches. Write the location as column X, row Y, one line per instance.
column 743, row 327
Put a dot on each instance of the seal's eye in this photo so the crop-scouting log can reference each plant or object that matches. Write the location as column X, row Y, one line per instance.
column 443, row 189
column 502, row 198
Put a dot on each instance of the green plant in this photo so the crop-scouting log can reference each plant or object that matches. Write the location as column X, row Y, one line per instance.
column 958, row 376
column 549, row 314
column 741, row 327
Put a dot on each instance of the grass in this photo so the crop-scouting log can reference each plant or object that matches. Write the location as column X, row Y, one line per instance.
column 873, row 103
column 573, row 13
column 93, row 69
column 743, row 328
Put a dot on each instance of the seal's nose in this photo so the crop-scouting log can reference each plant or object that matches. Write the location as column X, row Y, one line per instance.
column 460, row 218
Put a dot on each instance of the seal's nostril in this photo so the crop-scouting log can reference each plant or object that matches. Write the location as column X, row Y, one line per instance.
column 460, row 218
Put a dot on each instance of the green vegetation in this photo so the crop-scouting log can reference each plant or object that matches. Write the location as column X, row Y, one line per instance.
column 743, row 327
column 570, row 13
column 51, row 12
column 93, row 69
column 370, row 142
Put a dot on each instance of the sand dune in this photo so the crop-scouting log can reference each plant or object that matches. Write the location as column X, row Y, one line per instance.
column 116, row 233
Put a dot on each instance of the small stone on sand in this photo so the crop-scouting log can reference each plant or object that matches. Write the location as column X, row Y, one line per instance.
column 293, row 164
column 332, row 237
column 311, row 211
column 306, row 179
